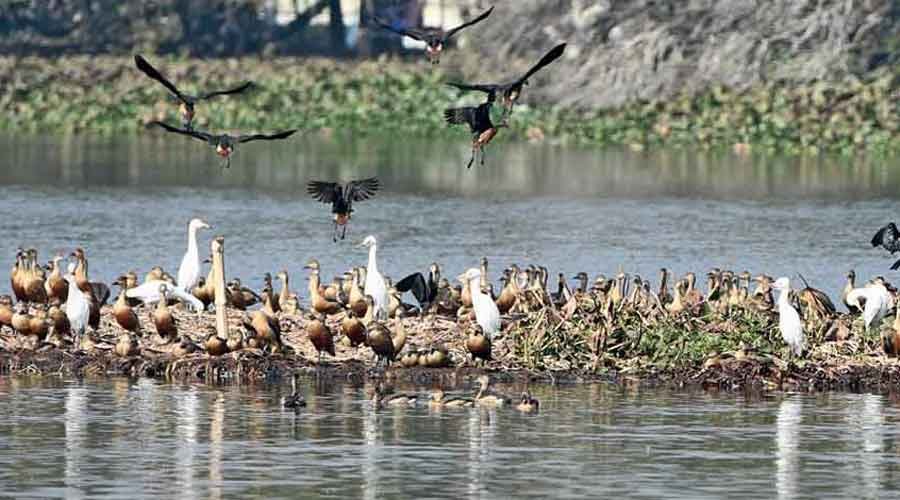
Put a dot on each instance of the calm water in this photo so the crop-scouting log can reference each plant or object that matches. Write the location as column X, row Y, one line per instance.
column 127, row 202
column 142, row 439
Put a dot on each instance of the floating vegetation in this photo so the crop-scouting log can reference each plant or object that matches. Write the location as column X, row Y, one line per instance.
column 103, row 95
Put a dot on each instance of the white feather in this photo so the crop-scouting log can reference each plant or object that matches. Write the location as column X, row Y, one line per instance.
column 148, row 293
column 78, row 310
column 486, row 313
column 788, row 319
column 189, row 270
column 878, row 302
column 374, row 284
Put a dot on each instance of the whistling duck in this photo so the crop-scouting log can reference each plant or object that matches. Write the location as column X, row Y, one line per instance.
column 762, row 296
column 891, row 340
column 410, row 359
column 424, row 290
column 264, row 323
column 399, row 335
column 511, row 91
column 78, row 308
column 127, row 345
column 223, row 143
column 333, row 290
column 439, row 357
column 241, row 297
column 189, row 270
column 582, row 287
column 163, row 319
column 295, row 399
column 478, row 344
column 439, row 399
column 15, row 276
column 434, row 38
column 888, row 237
column 353, row 329
column 187, row 101
column 97, row 291
column 479, row 120
column 124, row 314
column 374, row 284
column 341, row 198
column 851, row 284
column 21, row 320
column 528, row 404
column 485, row 398
column 511, row 291
column 379, row 399
column 34, row 278
column 6, row 310
column 215, row 345
column 204, row 293
column 56, row 287
column 378, row 338
column 664, row 296
column 320, row 336
column 40, row 323
column 486, row 313
column 60, row 321
column 183, row 347
column 317, row 299
column 676, row 306
column 235, row 341
column 817, row 303
column 276, row 298
column 284, row 295
column 788, row 319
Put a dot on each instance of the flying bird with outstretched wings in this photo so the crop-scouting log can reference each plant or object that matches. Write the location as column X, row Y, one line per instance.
column 341, row 197
column 434, row 38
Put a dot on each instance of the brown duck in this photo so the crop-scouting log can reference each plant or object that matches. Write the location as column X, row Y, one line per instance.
column 478, row 344
column 353, row 329
column 320, row 336
column 124, row 314
column 163, row 319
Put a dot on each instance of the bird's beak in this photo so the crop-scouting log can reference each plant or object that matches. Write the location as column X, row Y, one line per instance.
column 361, row 244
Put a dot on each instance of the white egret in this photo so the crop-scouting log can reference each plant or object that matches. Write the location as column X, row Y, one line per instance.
column 189, row 271
column 374, row 284
column 878, row 301
column 486, row 313
column 149, row 293
column 788, row 319
column 78, row 309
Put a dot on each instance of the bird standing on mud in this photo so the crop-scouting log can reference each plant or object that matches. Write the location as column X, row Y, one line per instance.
column 187, row 101
column 224, row 143
column 511, row 91
column 341, row 198
column 479, row 121
column 788, row 318
column 888, row 238
column 434, row 38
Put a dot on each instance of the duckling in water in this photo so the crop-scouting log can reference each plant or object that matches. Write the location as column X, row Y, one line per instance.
column 439, row 399
column 478, row 344
column 379, row 399
column 320, row 336
column 485, row 398
column 127, row 345
column 295, row 401
column 528, row 404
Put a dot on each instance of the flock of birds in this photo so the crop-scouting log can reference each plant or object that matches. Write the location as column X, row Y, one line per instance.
column 342, row 196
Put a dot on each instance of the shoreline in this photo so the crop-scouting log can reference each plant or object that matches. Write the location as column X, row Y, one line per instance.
column 107, row 96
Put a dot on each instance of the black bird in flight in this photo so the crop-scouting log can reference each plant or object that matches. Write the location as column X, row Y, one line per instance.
column 224, row 143
column 479, row 121
column 434, row 38
column 187, row 101
column 509, row 92
column 888, row 238
column 424, row 290
column 341, row 198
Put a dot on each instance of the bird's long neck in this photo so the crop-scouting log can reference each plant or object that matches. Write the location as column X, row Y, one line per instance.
column 783, row 297
column 192, row 243
column 372, row 267
column 475, row 287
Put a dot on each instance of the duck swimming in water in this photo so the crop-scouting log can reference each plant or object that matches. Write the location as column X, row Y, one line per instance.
column 224, row 143
column 434, row 38
column 479, row 121
column 510, row 92
column 295, row 401
column 528, row 404
column 187, row 101
column 341, row 198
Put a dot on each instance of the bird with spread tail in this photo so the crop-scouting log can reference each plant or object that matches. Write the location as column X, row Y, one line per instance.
column 341, row 197
column 223, row 143
column 434, row 38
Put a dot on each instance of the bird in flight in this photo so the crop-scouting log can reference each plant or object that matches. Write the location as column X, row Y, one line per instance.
column 341, row 197
column 187, row 101
column 888, row 238
column 511, row 91
column 434, row 38
column 224, row 143
column 479, row 121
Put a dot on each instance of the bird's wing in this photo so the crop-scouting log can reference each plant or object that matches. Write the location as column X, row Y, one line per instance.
column 895, row 266
column 362, row 189
column 488, row 88
column 459, row 116
column 236, row 90
column 412, row 33
column 196, row 134
column 100, row 292
column 265, row 137
column 187, row 298
column 878, row 239
column 322, row 191
column 416, row 284
column 147, row 292
column 477, row 20
column 150, row 71
column 548, row 58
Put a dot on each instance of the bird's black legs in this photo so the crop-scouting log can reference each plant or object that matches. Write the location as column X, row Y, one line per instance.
column 334, row 232
column 482, row 155
column 343, row 231
column 472, row 159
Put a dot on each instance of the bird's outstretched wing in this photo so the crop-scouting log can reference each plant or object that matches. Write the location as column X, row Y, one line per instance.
column 265, row 137
column 196, row 134
column 488, row 88
column 362, row 189
column 477, row 20
column 416, row 284
column 410, row 32
column 548, row 58
column 325, row 192
column 235, row 90
column 895, row 266
column 150, row 71
column 459, row 116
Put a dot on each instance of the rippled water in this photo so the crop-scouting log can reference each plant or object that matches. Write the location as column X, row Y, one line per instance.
column 143, row 439
column 127, row 203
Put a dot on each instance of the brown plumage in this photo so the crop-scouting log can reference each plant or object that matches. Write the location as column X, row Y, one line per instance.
column 163, row 319
column 510, row 292
column 439, row 399
column 124, row 314
column 241, row 297
column 60, row 321
column 528, row 404
column 39, row 323
column 318, row 300
column 183, row 347
column 16, row 275
column 399, row 336
column 21, row 320
column 127, row 345
column 56, row 287
column 378, row 338
column 320, row 336
column 478, row 344
column 264, row 325
column 33, row 281
column 357, row 298
column 353, row 329
column 6, row 310
column 215, row 345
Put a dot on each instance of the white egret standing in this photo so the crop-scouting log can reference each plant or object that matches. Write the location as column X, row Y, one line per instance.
column 788, row 319
column 374, row 284
column 189, row 271
column 486, row 313
column 78, row 310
